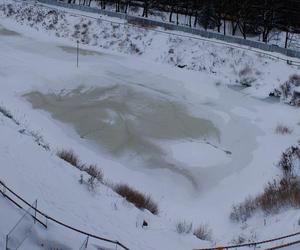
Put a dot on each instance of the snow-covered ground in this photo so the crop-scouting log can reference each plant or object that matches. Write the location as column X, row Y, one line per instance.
column 183, row 136
column 276, row 37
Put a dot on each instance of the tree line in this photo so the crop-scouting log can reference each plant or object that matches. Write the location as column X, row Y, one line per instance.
column 249, row 17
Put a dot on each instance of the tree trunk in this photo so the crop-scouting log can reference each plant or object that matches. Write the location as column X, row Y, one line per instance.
column 234, row 27
column 196, row 19
column 171, row 15
column 286, row 39
column 145, row 11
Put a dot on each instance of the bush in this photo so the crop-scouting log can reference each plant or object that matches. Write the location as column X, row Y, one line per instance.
column 276, row 195
column 288, row 91
column 38, row 138
column 246, row 78
column 8, row 114
column 94, row 172
column 139, row 199
column 280, row 193
column 70, row 157
column 95, row 176
column 243, row 211
column 5, row 112
column 184, row 227
column 288, row 160
column 283, row 130
column 203, row 233
column 241, row 239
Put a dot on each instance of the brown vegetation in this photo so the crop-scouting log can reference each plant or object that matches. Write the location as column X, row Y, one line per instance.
column 139, row 199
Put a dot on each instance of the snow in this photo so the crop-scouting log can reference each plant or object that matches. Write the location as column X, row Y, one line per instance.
column 192, row 178
column 195, row 154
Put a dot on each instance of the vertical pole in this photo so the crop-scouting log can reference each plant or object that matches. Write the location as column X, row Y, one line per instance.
column 77, row 53
column 87, row 241
column 35, row 211
column 6, row 243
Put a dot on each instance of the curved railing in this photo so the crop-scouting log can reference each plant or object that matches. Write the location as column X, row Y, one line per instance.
column 17, row 198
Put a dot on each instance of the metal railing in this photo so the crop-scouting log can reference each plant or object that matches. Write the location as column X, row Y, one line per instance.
column 89, row 235
column 17, row 199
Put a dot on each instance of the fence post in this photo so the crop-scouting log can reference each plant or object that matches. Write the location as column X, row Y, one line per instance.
column 6, row 242
column 35, row 211
column 77, row 53
column 87, row 241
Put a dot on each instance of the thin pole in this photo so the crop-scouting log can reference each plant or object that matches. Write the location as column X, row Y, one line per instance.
column 77, row 53
column 35, row 211
column 6, row 244
column 87, row 242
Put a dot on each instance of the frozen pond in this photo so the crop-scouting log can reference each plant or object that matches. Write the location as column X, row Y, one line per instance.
column 120, row 118
column 125, row 120
column 151, row 122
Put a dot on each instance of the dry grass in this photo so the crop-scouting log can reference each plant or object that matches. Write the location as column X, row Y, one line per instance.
column 5, row 112
column 283, row 130
column 184, row 227
column 8, row 114
column 94, row 172
column 243, row 211
column 203, row 232
column 70, row 157
column 278, row 194
column 139, row 199
column 218, row 83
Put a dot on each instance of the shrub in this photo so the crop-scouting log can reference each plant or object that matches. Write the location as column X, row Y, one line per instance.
column 8, row 114
column 5, row 112
column 288, row 160
column 39, row 139
column 243, row 211
column 184, row 227
column 241, row 239
column 203, row 232
column 276, row 195
column 139, row 199
column 280, row 193
column 94, row 172
column 288, row 91
column 246, row 77
column 95, row 175
column 70, row 157
column 283, row 130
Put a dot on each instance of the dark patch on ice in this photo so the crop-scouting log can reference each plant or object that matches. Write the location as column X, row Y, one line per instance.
column 237, row 87
column 7, row 32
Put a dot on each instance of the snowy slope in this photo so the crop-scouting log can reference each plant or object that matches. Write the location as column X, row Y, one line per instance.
column 198, row 187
